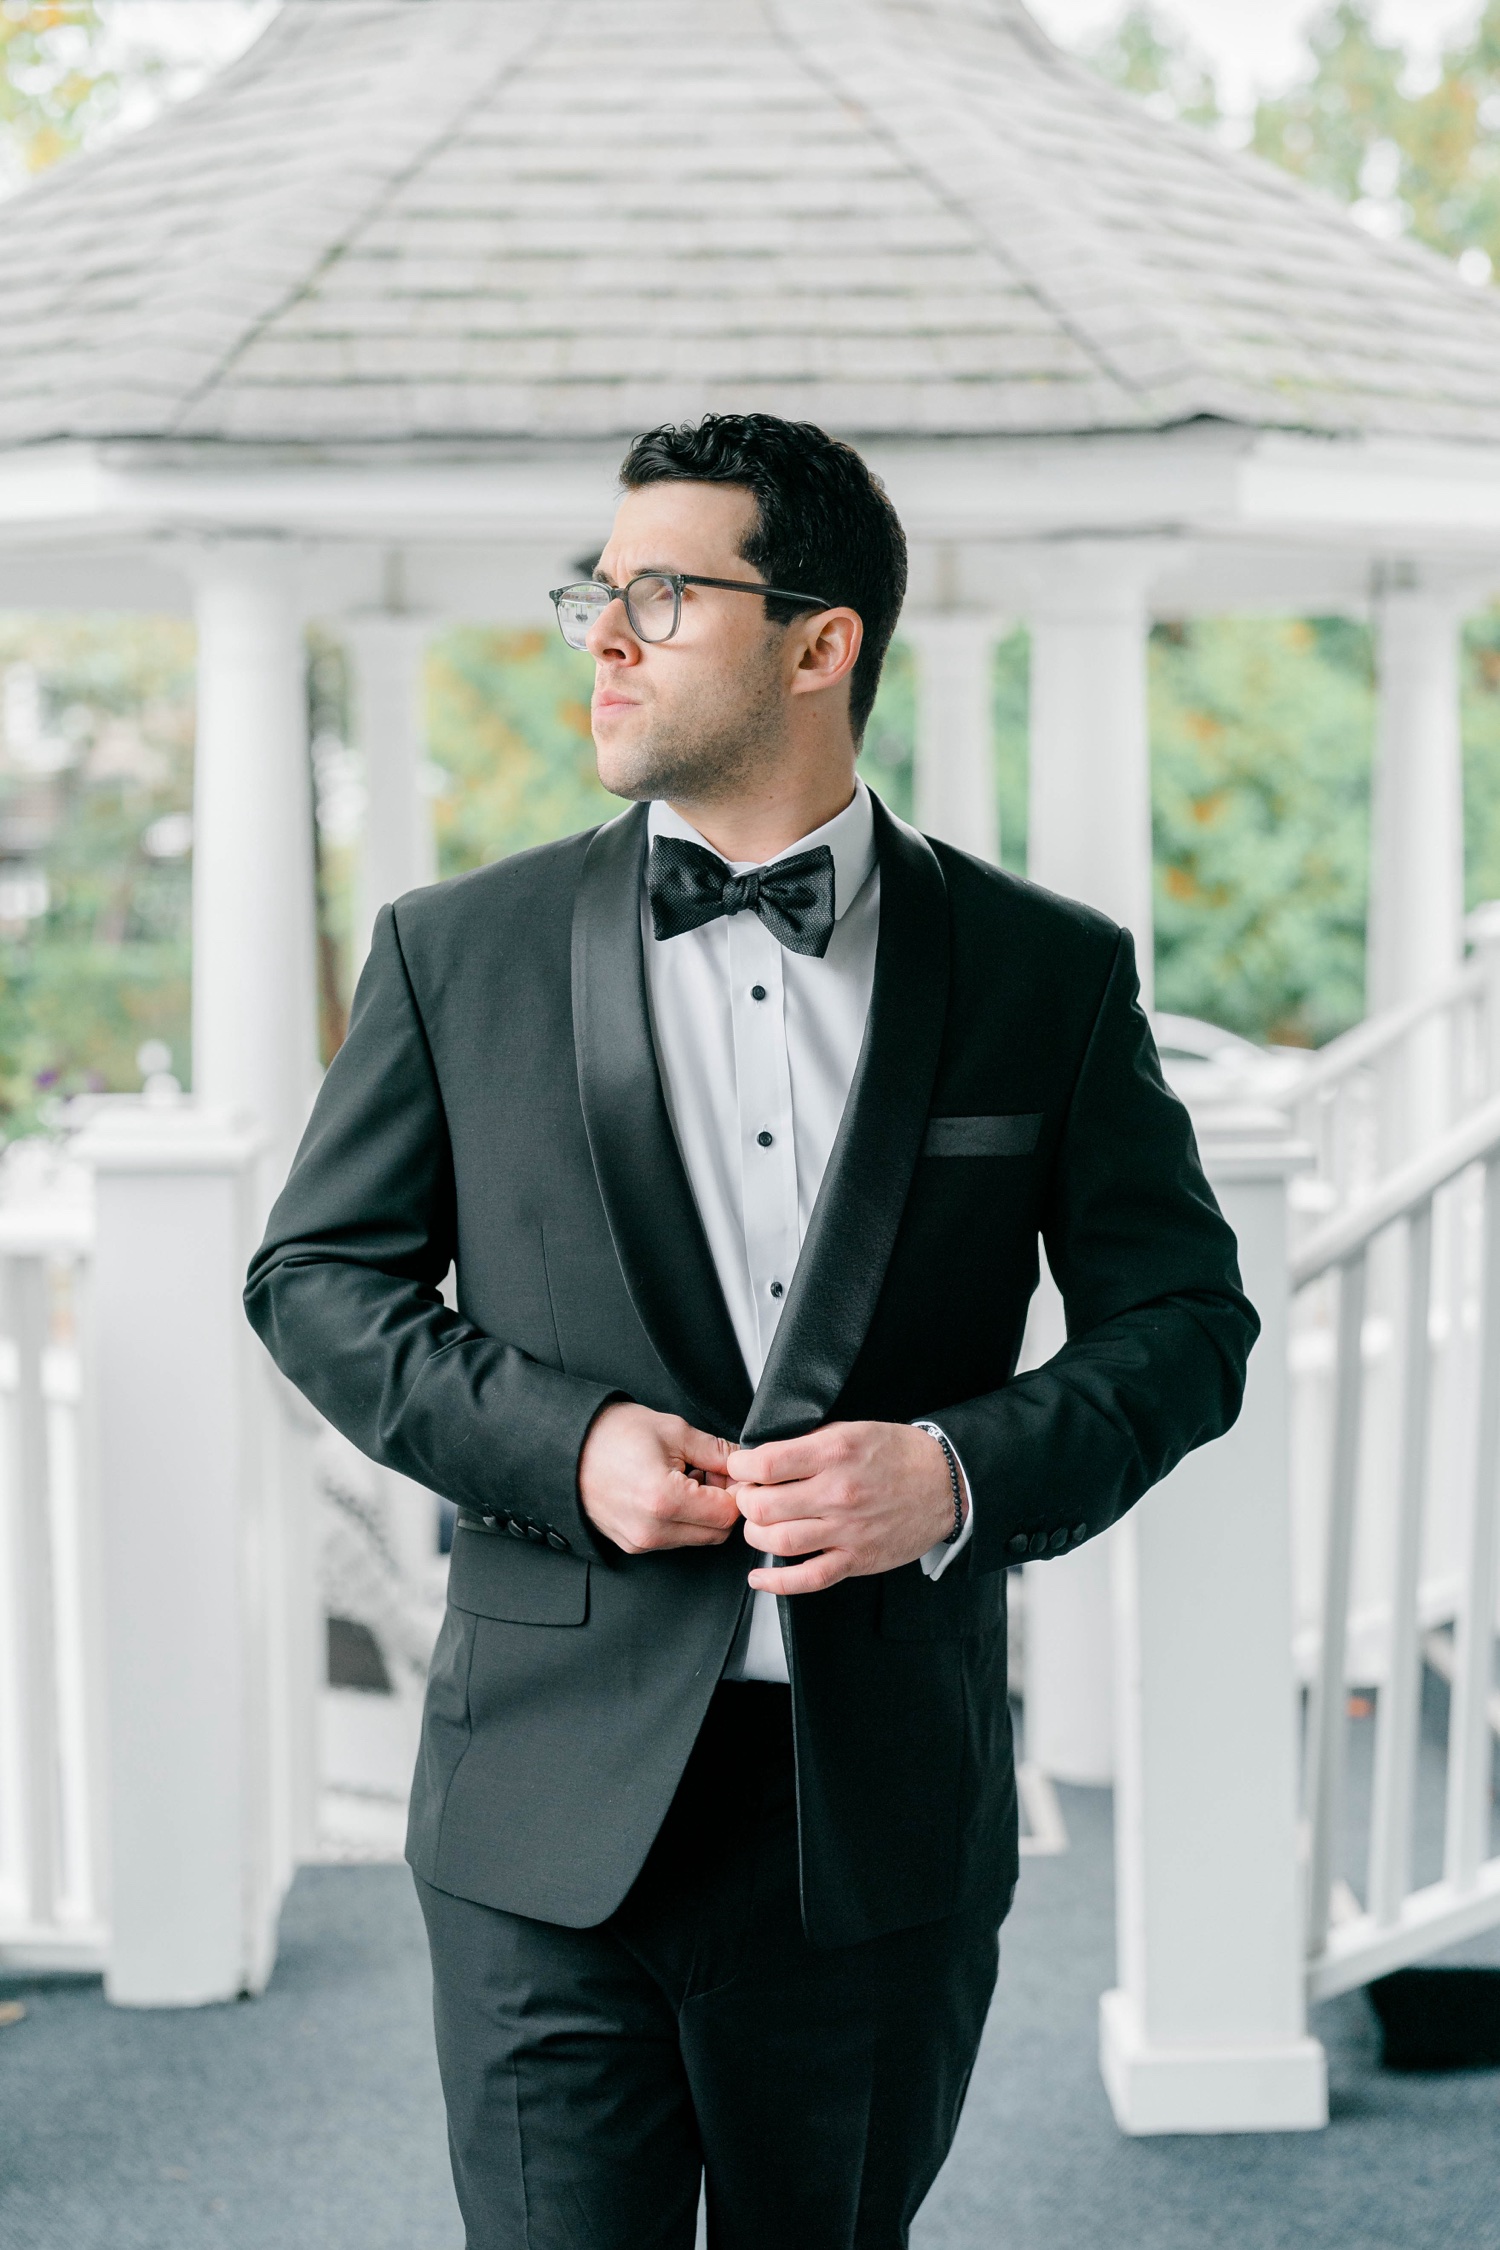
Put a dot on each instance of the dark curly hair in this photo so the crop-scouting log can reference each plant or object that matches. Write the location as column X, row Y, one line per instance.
column 824, row 521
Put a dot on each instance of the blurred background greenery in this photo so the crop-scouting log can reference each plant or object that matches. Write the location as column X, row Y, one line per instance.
column 1261, row 727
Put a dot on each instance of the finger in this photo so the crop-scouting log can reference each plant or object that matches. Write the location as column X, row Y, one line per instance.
column 701, row 1451
column 684, row 1500
column 781, row 1462
column 660, row 1538
column 812, row 1577
column 802, row 1538
column 779, row 1503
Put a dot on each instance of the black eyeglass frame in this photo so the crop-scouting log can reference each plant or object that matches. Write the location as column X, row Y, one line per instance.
column 676, row 579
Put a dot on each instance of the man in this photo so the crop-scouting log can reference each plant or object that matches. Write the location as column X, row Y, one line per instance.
column 738, row 1120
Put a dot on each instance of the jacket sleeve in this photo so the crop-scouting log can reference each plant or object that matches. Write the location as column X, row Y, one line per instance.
column 1159, row 1330
column 345, row 1290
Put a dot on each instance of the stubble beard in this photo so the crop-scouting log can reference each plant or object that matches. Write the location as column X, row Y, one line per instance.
column 717, row 754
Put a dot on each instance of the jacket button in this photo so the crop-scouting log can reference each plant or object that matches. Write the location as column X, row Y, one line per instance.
column 1058, row 1541
column 1037, row 1544
column 516, row 1529
column 1080, row 1533
column 491, row 1523
column 1017, row 1545
column 535, row 1531
column 556, row 1541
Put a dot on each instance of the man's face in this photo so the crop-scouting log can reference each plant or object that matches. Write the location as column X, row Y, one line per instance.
column 704, row 713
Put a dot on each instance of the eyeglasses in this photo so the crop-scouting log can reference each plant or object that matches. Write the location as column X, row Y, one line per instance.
column 653, row 602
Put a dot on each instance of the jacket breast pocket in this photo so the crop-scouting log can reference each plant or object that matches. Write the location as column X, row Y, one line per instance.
column 983, row 1136
column 492, row 1575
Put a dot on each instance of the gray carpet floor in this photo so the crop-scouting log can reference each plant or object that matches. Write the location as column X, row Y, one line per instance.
column 310, row 2119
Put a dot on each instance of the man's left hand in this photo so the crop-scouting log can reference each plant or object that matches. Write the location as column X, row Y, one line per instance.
column 855, row 1497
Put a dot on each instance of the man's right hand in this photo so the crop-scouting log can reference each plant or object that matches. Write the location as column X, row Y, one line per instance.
column 650, row 1481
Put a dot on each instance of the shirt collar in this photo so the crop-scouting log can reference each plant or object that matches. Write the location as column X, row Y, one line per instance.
column 850, row 836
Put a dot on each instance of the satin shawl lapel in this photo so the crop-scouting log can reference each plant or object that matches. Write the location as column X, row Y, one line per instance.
column 853, row 1227
column 658, row 1235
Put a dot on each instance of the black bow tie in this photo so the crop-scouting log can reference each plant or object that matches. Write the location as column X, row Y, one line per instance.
column 689, row 885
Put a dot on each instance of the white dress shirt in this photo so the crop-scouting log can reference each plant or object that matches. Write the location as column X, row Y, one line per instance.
column 757, row 1049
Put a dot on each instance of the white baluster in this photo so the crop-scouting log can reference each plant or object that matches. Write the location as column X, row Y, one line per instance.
column 1399, row 1705
column 1469, row 1749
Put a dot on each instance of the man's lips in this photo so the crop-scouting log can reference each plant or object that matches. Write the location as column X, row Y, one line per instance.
column 609, row 701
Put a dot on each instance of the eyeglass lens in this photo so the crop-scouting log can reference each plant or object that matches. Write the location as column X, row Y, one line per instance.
column 650, row 604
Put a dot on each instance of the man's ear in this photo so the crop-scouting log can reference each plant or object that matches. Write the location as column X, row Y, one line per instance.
column 830, row 642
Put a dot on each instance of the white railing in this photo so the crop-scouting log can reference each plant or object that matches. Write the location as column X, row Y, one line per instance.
column 1388, row 1087
column 1366, row 1105
column 1429, row 1237
column 327, row 1773
column 51, row 1778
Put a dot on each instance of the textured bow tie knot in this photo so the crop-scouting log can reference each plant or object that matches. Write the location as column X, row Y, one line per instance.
column 689, row 885
column 742, row 891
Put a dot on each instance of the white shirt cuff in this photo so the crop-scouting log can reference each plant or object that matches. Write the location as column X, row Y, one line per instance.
column 937, row 1559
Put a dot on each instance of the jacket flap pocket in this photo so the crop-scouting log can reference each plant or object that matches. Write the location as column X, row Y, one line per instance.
column 517, row 1580
column 983, row 1136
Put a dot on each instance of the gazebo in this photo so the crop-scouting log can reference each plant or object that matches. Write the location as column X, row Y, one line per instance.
column 360, row 332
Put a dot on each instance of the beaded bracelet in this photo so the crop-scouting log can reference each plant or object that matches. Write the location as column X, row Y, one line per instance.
column 954, row 1479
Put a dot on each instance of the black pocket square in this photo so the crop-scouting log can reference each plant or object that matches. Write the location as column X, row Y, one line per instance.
column 982, row 1136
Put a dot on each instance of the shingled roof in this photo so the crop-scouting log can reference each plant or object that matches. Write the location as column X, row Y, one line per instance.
column 398, row 221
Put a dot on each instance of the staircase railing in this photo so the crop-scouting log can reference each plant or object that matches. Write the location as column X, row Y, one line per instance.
column 1435, row 1223
column 1391, row 1084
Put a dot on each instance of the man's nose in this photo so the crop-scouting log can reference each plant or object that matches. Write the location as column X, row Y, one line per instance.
column 610, row 635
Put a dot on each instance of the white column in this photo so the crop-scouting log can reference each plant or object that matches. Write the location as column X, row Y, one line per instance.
column 190, row 1585
column 1206, row 2031
column 1089, row 812
column 1069, row 1664
column 1088, row 836
column 954, row 778
column 1417, row 850
column 388, row 652
column 1417, row 854
column 254, row 918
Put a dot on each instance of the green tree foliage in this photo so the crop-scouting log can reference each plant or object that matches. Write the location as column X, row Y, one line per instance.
column 508, row 725
column 100, row 774
column 1261, row 731
column 1146, row 54
column 55, row 86
column 891, row 732
column 1422, row 159
column 1481, row 736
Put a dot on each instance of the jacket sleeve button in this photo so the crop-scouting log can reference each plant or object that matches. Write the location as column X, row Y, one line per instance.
column 1058, row 1541
column 1037, row 1544
column 1080, row 1533
column 556, row 1541
column 1017, row 1545
column 491, row 1523
column 515, row 1527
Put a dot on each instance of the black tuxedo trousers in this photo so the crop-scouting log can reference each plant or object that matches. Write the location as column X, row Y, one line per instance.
column 496, row 1110
column 595, row 2077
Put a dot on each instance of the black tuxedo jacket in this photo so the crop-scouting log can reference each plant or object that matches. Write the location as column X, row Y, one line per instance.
column 497, row 1108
